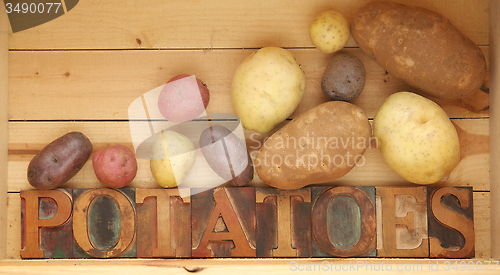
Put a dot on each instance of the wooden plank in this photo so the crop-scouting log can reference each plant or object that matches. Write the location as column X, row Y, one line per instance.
column 100, row 85
column 245, row 266
column 495, row 130
column 473, row 169
column 481, row 228
column 402, row 227
column 450, row 222
column 4, row 128
column 223, row 24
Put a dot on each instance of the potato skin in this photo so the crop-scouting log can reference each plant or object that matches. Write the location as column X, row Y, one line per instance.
column 115, row 166
column 227, row 155
column 59, row 161
column 420, row 47
column 321, row 145
column 266, row 88
column 344, row 78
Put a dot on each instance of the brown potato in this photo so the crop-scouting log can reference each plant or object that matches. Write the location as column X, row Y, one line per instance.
column 344, row 78
column 321, row 145
column 420, row 47
column 59, row 161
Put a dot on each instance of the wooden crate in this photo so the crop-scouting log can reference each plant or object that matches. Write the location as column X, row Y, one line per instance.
column 82, row 70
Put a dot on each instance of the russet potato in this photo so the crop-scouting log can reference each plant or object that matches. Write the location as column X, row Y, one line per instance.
column 416, row 138
column 321, row 145
column 420, row 47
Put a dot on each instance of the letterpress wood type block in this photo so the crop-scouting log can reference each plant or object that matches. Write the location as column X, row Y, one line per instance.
column 343, row 221
column 402, row 222
column 104, row 223
column 163, row 223
column 451, row 222
column 223, row 222
column 46, row 224
column 283, row 222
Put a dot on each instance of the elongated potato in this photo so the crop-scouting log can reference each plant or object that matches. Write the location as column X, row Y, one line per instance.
column 321, row 145
column 420, row 47
column 59, row 161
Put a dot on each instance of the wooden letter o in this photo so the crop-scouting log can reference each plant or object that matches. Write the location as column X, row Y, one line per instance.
column 320, row 226
column 81, row 226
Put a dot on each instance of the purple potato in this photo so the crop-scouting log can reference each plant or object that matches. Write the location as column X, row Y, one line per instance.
column 227, row 155
column 59, row 161
column 344, row 78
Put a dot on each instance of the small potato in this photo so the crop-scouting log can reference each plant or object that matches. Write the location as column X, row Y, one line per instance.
column 227, row 155
column 344, row 78
column 183, row 98
column 172, row 158
column 59, row 161
column 115, row 166
column 329, row 31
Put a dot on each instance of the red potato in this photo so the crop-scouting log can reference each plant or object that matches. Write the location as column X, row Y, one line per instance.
column 115, row 166
column 182, row 100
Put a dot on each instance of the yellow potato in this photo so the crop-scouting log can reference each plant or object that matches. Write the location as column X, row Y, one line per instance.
column 266, row 88
column 329, row 31
column 172, row 158
column 416, row 138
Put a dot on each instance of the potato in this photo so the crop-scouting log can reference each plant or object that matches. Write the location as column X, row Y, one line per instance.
column 329, row 31
column 172, row 158
column 344, row 78
column 227, row 155
column 420, row 47
column 183, row 98
column 115, row 166
column 416, row 138
column 266, row 88
column 321, row 145
column 59, row 161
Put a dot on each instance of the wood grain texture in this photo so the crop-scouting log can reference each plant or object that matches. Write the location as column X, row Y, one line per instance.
column 283, row 227
column 47, row 224
column 112, row 25
column 223, row 223
column 344, row 222
column 402, row 231
column 473, row 169
column 4, row 128
column 450, row 221
column 495, row 121
column 101, row 85
column 104, row 223
column 118, row 24
column 481, row 228
column 163, row 223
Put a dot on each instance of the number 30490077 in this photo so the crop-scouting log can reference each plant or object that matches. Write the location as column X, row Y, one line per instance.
column 32, row 7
